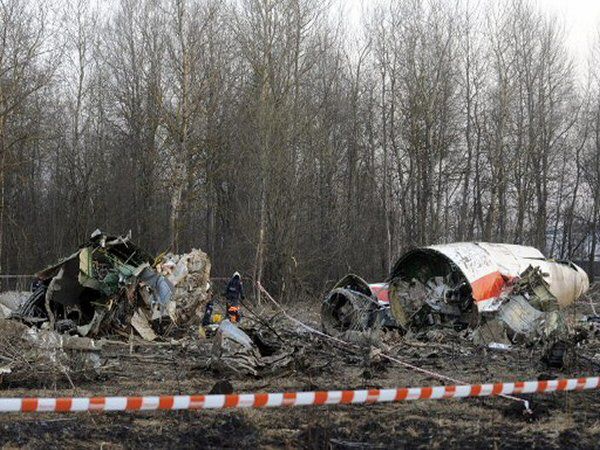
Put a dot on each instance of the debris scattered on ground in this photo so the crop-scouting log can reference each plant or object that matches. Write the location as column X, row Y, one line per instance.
column 135, row 341
column 255, row 350
column 234, row 352
column 11, row 301
column 28, row 353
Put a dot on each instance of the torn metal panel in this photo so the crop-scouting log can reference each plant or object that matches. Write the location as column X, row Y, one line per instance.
column 354, row 305
column 553, row 326
column 233, row 351
column 161, row 287
column 5, row 312
column 519, row 316
column 491, row 332
column 13, row 300
column 354, row 283
column 566, row 280
column 64, row 287
column 345, row 309
column 140, row 323
column 255, row 351
column 532, row 285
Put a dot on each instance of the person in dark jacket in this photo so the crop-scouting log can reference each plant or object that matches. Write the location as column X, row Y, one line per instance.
column 208, row 310
column 234, row 293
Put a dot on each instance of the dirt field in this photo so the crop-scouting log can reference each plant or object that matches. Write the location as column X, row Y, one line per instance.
column 560, row 420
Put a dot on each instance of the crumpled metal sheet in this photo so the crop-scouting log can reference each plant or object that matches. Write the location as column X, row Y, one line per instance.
column 5, row 312
column 348, row 310
column 491, row 332
column 355, row 306
column 162, row 289
column 519, row 315
column 12, row 300
column 64, row 288
column 233, row 351
column 191, row 284
column 140, row 323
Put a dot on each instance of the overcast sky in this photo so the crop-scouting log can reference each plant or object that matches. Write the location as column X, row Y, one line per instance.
column 581, row 21
column 581, row 18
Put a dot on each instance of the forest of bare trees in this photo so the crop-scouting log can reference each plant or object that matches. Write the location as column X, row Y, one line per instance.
column 287, row 144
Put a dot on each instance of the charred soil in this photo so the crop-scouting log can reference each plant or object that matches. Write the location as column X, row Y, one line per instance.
column 141, row 368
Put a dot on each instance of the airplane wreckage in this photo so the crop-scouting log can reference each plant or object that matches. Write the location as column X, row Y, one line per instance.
column 496, row 295
column 112, row 286
column 499, row 294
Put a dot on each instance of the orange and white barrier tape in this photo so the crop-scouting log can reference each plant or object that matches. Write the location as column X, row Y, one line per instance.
column 175, row 402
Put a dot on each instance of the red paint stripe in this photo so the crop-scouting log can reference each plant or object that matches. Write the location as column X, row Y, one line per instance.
column 562, row 385
column 372, row 395
column 401, row 394
column 426, row 392
column 97, row 403
column 134, row 403
column 475, row 390
column 166, row 402
column 542, row 386
column 580, row 384
column 347, row 397
column 260, row 400
column 381, row 292
column 488, row 286
column 196, row 402
column 289, row 398
column 29, row 404
column 63, row 404
column 231, row 401
column 320, row 397
column 449, row 391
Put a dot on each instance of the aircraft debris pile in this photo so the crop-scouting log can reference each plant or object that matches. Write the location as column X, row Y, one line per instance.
column 110, row 286
column 256, row 348
column 499, row 294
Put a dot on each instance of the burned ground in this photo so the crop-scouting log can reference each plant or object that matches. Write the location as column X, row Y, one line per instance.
column 143, row 368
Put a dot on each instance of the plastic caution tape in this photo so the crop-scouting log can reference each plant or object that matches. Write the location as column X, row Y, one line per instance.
column 177, row 402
